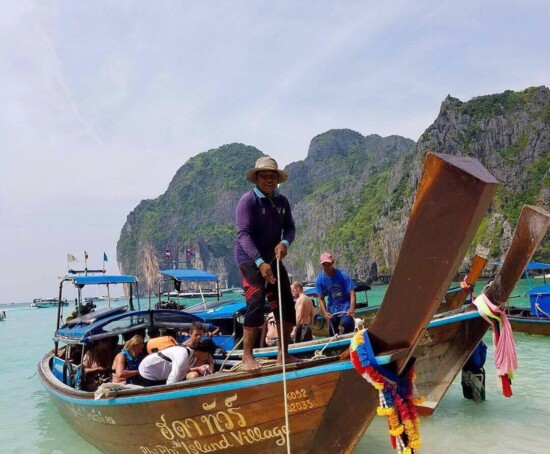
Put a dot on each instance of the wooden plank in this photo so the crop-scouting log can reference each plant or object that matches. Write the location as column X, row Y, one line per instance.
column 457, row 299
column 452, row 198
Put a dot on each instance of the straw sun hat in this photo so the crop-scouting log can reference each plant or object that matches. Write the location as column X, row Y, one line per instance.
column 265, row 163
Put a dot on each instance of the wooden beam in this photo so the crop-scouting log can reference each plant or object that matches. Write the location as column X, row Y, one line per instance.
column 452, row 197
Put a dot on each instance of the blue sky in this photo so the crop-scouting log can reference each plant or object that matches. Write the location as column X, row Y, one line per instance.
column 102, row 101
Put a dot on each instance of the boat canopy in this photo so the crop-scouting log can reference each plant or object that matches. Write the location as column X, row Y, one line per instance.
column 224, row 309
column 532, row 266
column 538, row 266
column 538, row 291
column 100, row 279
column 108, row 324
column 189, row 274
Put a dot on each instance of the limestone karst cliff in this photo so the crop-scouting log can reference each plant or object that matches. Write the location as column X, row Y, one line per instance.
column 351, row 194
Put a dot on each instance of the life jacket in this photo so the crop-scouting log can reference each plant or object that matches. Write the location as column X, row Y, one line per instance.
column 159, row 343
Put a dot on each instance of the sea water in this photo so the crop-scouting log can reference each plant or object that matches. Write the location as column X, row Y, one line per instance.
column 520, row 424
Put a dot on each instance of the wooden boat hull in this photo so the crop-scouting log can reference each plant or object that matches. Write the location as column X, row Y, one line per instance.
column 233, row 414
column 444, row 349
column 46, row 304
column 522, row 321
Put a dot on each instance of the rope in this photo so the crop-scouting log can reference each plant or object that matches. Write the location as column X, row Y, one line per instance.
column 539, row 309
column 262, row 361
column 283, row 356
column 319, row 353
column 230, row 353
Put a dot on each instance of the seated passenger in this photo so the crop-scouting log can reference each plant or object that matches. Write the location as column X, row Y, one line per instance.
column 125, row 365
column 97, row 364
column 168, row 364
column 195, row 334
column 203, row 359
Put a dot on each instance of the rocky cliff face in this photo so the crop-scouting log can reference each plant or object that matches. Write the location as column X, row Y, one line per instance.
column 351, row 195
column 510, row 134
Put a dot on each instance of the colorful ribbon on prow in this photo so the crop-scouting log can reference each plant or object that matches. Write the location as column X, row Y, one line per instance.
column 506, row 361
column 397, row 394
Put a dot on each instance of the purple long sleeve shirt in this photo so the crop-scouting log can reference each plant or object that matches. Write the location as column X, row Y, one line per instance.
column 262, row 223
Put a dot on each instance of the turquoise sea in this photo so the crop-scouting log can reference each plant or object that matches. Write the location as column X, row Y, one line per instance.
column 29, row 424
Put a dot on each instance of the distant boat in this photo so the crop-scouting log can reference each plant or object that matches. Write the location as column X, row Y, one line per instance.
column 43, row 303
column 173, row 294
column 207, row 293
column 191, row 275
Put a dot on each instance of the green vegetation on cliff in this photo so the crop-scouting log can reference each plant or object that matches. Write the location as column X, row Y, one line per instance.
column 352, row 193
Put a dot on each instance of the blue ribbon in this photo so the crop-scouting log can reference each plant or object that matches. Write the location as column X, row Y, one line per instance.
column 368, row 358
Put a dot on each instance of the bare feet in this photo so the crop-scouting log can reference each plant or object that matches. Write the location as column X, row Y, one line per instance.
column 249, row 363
column 288, row 360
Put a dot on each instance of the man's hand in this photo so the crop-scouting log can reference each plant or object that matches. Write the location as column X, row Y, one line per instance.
column 280, row 251
column 267, row 273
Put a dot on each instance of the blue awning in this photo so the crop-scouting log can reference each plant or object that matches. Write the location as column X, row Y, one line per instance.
column 532, row 265
column 226, row 310
column 538, row 266
column 100, row 279
column 189, row 274
column 107, row 324
column 540, row 290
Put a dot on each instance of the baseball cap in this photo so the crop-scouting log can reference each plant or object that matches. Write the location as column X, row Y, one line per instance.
column 326, row 257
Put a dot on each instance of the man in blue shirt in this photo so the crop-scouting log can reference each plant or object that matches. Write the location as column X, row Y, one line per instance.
column 265, row 230
column 339, row 289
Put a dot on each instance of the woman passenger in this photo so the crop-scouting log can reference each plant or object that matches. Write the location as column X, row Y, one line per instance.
column 126, row 363
column 96, row 364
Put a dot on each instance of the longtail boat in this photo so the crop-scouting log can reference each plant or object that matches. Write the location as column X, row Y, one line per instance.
column 536, row 318
column 442, row 353
column 309, row 407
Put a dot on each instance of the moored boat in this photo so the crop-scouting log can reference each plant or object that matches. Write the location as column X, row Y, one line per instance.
column 320, row 406
column 193, row 280
column 43, row 303
column 536, row 318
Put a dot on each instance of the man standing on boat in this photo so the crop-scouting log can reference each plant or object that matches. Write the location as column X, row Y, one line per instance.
column 265, row 230
column 339, row 289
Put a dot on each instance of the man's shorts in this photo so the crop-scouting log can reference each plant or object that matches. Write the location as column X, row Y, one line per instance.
column 256, row 290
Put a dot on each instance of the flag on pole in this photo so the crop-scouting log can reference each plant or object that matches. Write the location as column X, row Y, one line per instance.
column 105, row 257
column 85, row 255
column 71, row 258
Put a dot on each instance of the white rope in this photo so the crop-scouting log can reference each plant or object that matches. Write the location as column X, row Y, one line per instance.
column 282, row 329
column 539, row 309
column 230, row 353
